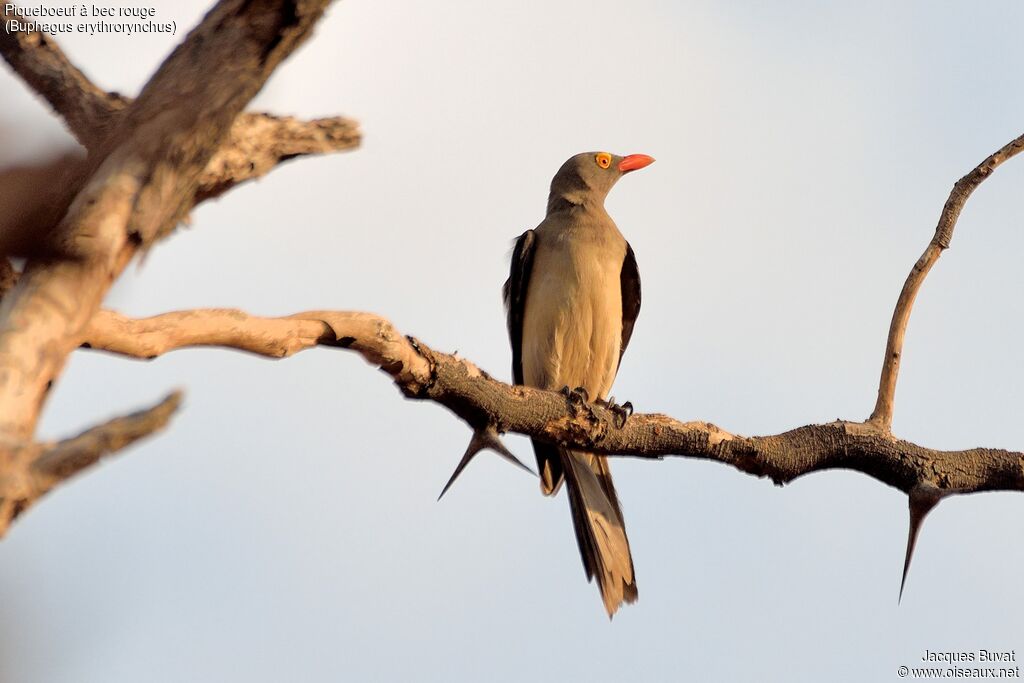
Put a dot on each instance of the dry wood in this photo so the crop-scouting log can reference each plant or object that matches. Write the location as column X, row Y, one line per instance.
column 139, row 189
column 29, row 470
column 372, row 336
column 256, row 144
column 143, row 175
column 71, row 456
column 89, row 111
column 480, row 400
column 881, row 416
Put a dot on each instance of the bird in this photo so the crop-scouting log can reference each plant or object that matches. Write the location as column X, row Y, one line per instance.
column 572, row 298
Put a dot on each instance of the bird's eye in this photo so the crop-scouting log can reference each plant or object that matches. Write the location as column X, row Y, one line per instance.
column 604, row 159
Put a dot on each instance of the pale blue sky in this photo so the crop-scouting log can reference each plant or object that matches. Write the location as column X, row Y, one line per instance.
column 285, row 527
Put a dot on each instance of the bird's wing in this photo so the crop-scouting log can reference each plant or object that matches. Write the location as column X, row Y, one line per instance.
column 630, row 282
column 549, row 462
column 514, row 293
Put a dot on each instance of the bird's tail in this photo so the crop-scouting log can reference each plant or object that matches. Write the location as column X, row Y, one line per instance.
column 600, row 531
column 549, row 467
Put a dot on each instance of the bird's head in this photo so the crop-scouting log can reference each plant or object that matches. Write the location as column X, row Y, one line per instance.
column 587, row 178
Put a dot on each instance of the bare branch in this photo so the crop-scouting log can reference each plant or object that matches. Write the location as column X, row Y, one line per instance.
column 371, row 335
column 152, row 337
column 34, row 198
column 140, row 188
column 28, row 471
column 88, row 110
column 482, row 401
column 259, row 142
column 71, row 456
column 256, row 144
column 881, row 416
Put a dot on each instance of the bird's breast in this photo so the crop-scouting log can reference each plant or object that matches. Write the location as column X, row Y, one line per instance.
column 572, row 326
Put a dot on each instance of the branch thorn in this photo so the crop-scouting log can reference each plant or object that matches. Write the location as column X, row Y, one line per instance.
column 922, row 499
column 483, row 438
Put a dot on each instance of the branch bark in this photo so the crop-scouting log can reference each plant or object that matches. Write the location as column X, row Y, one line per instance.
column 881, row 416
column 89, row 111
column 146, row 168
column 69, row 457
column 28, row 471
column 256, row 144
column 372, row 336
column 141, row 183
column 481, row 401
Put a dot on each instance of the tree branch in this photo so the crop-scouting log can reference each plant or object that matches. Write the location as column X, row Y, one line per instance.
column 255, row 145
column 482, row 401
column 29, row 471
column 141, row 182
column 881, row 416
column 150, row 161
column 89, row 111
column 372, row 336
column 151, row 337
column 70, row 456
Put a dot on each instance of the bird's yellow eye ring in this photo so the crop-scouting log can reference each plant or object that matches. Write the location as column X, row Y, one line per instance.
column 604, row 159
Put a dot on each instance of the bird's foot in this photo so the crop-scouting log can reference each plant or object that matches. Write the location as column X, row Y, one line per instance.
column 576, row 398
column 483, row 437
column 579, row 394
column 621, row 413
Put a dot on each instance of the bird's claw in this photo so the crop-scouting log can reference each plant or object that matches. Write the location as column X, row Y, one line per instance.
column 485, row 437
column 620, row 413
column 576, row 398
column 578, row 395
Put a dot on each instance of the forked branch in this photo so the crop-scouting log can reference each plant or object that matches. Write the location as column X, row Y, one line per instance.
column 255, row 145
column 137, row 185
column 149, row 161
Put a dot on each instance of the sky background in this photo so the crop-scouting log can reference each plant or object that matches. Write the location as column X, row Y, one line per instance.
column 285, row 526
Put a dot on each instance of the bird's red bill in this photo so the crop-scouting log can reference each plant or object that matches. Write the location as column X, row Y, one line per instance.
column 634, row 162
